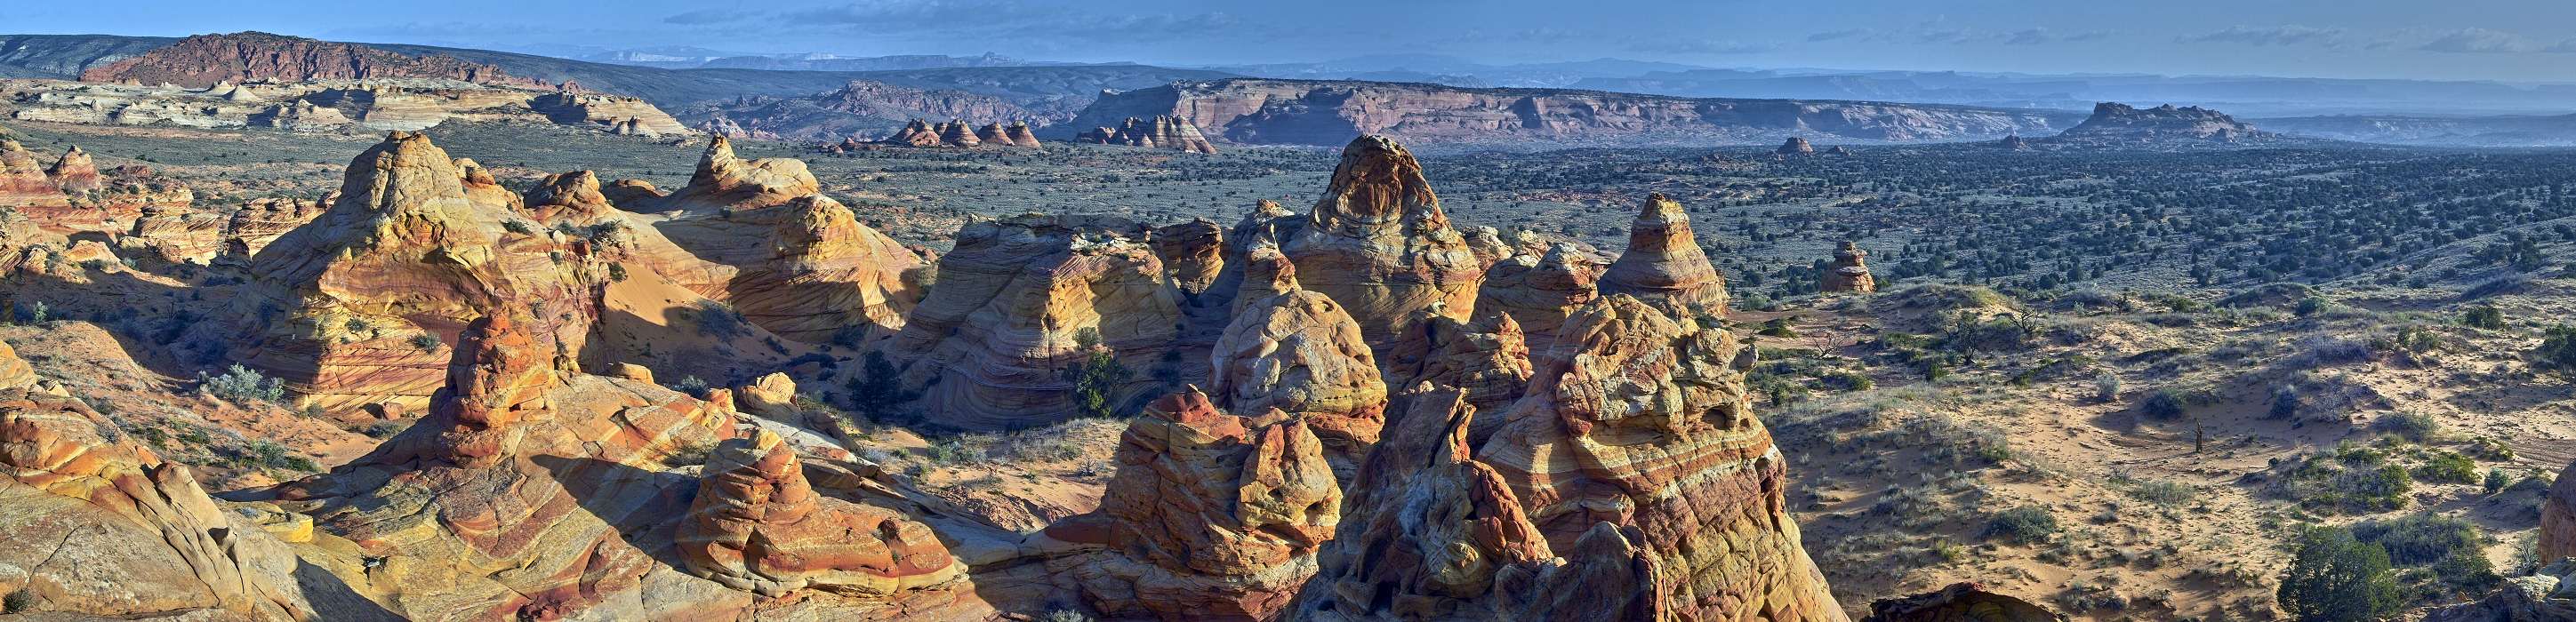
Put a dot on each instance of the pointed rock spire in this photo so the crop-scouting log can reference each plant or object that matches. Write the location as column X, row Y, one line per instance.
column 1664, row 265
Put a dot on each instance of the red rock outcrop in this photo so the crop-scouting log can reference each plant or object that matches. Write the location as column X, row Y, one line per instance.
column 1211, row 516
column 1850, row 271
column 174, row 235
column 991, row 134
column 620, row 114
column 203, row 61
column 757, row 525
column 955, row 133
column 1015, row 302
column 1020, row 135
column 263, row 220
column 723, row 181
column 827, row 273
column 23, row 183
column 75, row 173
column 1193, row 254
column 342, row 304
column 1297, row 351
column 1488, row 360
column 1378, row 243
column 105, row 529
column 1664, row 265
column 2557, row 537
column 1163, row 132
column 1641, row 421
column 1539, row 292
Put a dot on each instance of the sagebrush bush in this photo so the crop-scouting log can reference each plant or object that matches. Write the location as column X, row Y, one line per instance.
column 2025, row 524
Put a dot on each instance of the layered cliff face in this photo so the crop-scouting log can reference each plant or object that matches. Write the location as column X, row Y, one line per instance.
column 1850, row 271
column 1640, row 421
column 1664, row 265
column 23, row 183
column 1162, row 132
column 1488, row 360
column 758, row 525
column 1211, row 515
column 1299, row 352
column 618, row 114
column 350, row 308
column 108, row 530
column 205, row 60
column 1378, row 243
column 1314, row 112
column 1023, row 298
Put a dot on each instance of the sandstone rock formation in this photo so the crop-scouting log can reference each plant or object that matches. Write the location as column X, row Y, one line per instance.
column 1487, row 359
column 758, row 525
column 2542, row 596
column 23, row 183
column 1193, row 254
column 2014, row 142
column 75, row 173
column 1163, row 132
column 1796, row 146
column 342, row 305
column 106, row 529
column 1017, row 300
column 1299, row 352
column 1850, row 271
column 1539, row 292
column 1211, row 516
column 955, row 133
column 1664, row 264
column 1378, row 243
column 864, row 107
column 203, row 61
column 1326, row 113
column 759, row 235
column 621, row 115
column 991, row 134
column 1020, row 135
column 723, row 181
column 2557, row 538
column 1636, row 420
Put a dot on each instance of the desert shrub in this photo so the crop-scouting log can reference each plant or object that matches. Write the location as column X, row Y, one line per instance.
column 717, row 319
column 2269, row 295
column 2311, row 305
column 1096, row 377
column 692, row 385
column 2285, row 402
column 517, row 226
column 2483, row 316
column 2496, row 286
column 1996, row 334
column 2448, row 467
column 879, row 392
column 35, row 313
column 2383, row 488
column 425, row 342
column 2557, row 349
column 2164, row 404
column 2496, row 481
column 240, row 384
column 272, row 455
column 2025, row 524
column 18, row 601
column 2166, row 493
column 2414, row 426
column 1841, row 380
column 2106, row 386
column 2421, row 539
column 1778, row 327
column 2336, row 578
column 1065, row 615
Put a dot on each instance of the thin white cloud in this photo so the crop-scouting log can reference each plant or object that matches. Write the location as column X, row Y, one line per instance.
column 2284, row 35
column 2478, row 41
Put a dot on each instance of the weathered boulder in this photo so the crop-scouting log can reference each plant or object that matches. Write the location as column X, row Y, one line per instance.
column 1210, row 516
column 757, row 525
column 1640, row 420
column 1297, row 351
column 1539, row 292
column 1378, row 243
column 1850, row 271
column 1024, row 298
column 1664, row 265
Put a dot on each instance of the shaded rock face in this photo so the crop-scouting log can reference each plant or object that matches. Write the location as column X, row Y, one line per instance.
column 203, row 61
column 106, row 529
column 1193, row 254
column 1488, row 360
column 263, row 220
column 1796, row 146
column 757, row 525
column 515, row 495
column 1297, row 351
column 342, row 303
column 75, row 173
column 1850, row 271
column 1330, row 112
column 1378, row 243
column 1016, row 300
column 1639, row 421
column 1960, row 602
column 2118, row 123
column 1211, row 515
column 1163, row 132
column 2014, row 142
column 1664, row 265
column 2557, row 537
column 1538, row 292
column 827, row 273
column 2540, row 597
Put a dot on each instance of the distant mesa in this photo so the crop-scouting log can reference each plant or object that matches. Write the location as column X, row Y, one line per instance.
column 1164, row 132
column 866, row 109
column 204, row 61
column 2115, row 123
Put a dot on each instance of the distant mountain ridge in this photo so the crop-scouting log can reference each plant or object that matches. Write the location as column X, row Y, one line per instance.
column 1326, row 112
column 203, row 61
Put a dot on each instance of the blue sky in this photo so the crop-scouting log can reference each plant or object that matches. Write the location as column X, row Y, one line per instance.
column 2450, row 39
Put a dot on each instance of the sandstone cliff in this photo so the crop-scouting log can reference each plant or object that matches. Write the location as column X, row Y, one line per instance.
column 204, row 60
column 1313, row 112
